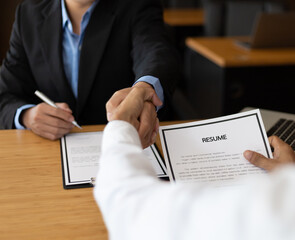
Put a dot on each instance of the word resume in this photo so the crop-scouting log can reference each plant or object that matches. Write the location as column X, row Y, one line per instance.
column 211, row 151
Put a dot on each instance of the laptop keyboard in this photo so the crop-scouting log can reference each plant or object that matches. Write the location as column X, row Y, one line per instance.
column 285, row 130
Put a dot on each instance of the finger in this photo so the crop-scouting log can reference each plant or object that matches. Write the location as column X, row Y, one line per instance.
column 157, row 126
column 275, row 141
column 45, row 109
column 144, row 94
column 49, row 132
column 64, row 107
column 281, row 149
column 148, row 140
column 153, row 138
column 155, row 132
column 259, row 160
column 134, row 106
column 155, row 99
column 45, row 125
column 148, row 121
column 140, row 95
column 50, row 127
column 48, row 115
column 279, row 144
column 50, row 121
column 149, row 94
column 55, row 122
column 142, row 85
column 115, row 101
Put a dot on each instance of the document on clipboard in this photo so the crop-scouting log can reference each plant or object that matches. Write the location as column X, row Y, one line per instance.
column 211, row 151
column 80, row 154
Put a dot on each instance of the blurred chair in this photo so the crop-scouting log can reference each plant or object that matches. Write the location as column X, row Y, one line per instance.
column 236, row 17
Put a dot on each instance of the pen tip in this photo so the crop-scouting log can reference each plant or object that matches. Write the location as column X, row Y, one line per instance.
column 77, row 125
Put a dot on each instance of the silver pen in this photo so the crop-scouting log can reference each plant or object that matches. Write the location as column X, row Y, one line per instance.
column 43, row 97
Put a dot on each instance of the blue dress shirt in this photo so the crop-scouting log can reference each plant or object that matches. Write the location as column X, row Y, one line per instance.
column 71, row 48
column 72, row 45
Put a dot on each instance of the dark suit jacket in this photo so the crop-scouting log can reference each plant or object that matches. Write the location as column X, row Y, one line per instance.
column 125, row 40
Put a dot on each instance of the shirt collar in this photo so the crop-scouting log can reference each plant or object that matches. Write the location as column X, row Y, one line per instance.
column 65, row 17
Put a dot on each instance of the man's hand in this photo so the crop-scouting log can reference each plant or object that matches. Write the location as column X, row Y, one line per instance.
column 146, row 121
column 138, row 108
column 283, row 154
column 49, row 122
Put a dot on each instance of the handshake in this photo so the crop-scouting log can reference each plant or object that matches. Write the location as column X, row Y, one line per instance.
column 137, row 105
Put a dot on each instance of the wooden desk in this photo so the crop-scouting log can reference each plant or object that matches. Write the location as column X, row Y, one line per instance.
column 224, row 52
column 184, row 17
column 33, row 203
column 223, row 78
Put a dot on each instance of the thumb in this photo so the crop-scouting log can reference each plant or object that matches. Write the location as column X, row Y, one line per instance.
column 150, row 95
column 258, row 160
column 156, row 100
column 64, row 107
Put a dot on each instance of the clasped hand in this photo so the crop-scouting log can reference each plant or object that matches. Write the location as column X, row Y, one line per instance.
column 137, row 105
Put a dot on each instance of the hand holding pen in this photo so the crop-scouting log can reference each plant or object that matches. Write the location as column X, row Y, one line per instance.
column 49, row 120
column 43, row 97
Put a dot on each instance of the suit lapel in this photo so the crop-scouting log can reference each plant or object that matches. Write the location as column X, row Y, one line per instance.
column 50, row 30
column 94, row 44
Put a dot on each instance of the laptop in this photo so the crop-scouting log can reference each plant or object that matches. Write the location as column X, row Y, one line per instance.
column 272, row 30
column 278, row 123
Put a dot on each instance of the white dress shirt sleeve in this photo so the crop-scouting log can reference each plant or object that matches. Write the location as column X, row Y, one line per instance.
column 136, row 205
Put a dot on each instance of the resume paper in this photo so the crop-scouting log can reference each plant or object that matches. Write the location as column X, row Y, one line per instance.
column 211, row 151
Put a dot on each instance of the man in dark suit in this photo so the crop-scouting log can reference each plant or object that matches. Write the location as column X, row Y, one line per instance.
column 79, row 52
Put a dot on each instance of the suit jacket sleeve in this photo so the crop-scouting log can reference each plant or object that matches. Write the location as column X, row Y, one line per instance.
column 153, row 53
column 16, row 79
